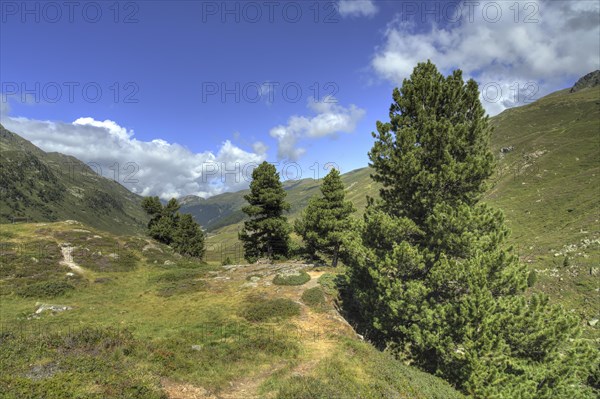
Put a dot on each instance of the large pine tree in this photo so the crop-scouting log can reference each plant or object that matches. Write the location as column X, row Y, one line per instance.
column 326, row 219
column 266, row 233
column 430, row 271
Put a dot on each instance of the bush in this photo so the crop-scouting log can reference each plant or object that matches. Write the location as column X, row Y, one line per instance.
column 292, row 279
column 266, row 309
column 531, row 278
column 45, row 289
column 314, row 298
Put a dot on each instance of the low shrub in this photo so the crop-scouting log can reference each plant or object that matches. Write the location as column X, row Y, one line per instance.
column 531, row 278
column 292, row 279
column 259, row 310
column 181, row 287
column 314, row 298
column 44, row 289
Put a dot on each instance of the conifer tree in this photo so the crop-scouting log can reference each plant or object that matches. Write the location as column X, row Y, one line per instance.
column 326, row 218
column 430, row 271
column 266, row 233
column 188, row 237
column 170, row 227
column 153, row 207
column 164, row 228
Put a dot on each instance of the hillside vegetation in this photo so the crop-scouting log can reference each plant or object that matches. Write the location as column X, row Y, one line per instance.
column 86, row 314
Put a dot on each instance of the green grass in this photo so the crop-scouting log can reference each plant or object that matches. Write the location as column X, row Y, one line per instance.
column 357, row 370
column 292, row 279
column 103, row 361
column 126, row 330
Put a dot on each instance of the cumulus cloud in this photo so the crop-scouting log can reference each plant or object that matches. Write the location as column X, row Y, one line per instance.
column 537, row 49
column 330, row 119
column 154, row 167
column 357, row 8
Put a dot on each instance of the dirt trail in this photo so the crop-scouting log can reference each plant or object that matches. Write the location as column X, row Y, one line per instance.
column 67, row 253
column 317, row 331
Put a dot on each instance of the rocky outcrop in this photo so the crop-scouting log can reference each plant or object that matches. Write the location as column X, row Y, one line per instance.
column 592, row 79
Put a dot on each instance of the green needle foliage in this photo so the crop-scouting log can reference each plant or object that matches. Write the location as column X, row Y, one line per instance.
column 168, row 226
column 267, row 231
column 326, row 219
column 429, row 269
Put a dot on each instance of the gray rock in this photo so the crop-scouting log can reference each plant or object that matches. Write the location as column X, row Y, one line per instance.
column 169, row 263
column 197, row 347
column 43, row 307
column 593, row 322
column 506, row 150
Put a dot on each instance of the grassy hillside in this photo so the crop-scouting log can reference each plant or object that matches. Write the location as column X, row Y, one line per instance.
column 109, row 316
column 549, row 189
column 40, row 186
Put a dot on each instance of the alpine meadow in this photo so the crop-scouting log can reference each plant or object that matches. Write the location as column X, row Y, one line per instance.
column 345, row 199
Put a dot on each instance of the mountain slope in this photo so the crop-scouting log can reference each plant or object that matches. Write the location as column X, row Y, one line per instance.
column 40, row 186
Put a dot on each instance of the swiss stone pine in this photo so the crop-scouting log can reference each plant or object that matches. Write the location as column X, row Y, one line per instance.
column 429, row 270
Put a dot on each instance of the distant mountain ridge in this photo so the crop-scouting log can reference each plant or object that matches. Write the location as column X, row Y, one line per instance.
column 40, row 186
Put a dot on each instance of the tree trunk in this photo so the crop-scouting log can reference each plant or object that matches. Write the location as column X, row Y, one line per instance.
column 336, row 251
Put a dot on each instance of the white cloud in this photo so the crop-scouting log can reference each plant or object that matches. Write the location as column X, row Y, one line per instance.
column 330, row 120
column 356, row 8
column 562, row 45
column 160, row 168
column 260, row 148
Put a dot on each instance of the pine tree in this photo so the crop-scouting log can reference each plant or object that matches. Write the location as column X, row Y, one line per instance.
column 168, row 226
column 326, row 219
column 429, row 268
column 153, row 207
column 163, row 229
column 267, row 231
column 188, row 238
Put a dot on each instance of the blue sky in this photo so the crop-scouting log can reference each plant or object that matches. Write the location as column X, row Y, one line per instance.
column 162, row 67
